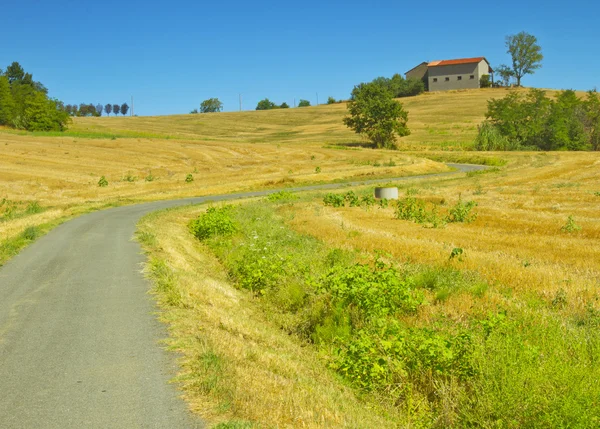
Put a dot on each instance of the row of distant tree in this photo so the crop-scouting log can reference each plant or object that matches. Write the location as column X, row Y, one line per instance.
column 97, row 110
column 213, row 105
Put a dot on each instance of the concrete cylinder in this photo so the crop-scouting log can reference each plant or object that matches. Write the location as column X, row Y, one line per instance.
column 388, row 193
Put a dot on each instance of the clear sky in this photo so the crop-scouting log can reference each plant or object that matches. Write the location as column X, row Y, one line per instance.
column 172, row 55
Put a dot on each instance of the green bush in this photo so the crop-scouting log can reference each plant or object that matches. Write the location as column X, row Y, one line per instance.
column 334, row 200
column 189, row 178
column 484, row 81
column 489, row 138
column 103, row 182
column 411, row 208
column 215, row 221
column 375, row 292
column 391, row 355
column 535, row 121
column 461, row 212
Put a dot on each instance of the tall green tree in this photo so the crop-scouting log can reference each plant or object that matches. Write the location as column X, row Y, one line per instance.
column 211, row 105
column 526, row 54
column 44, row 114
column 124, row 109
column 376, row 115
column 108, row 109
column 303, row 103
column 266, row 104
column 505, row 73
column 592, row 119
column 7, row 104
column 99, row 109
column 116, row 109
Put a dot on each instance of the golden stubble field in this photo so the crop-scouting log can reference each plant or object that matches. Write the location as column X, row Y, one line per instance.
column 517, row 243
column 224, row 152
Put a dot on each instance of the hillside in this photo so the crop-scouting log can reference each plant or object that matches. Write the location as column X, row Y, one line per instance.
column 436, row 120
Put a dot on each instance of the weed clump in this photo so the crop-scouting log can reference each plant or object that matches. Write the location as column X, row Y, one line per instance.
column 570, row 226
column 461, row 212
column 102, row 182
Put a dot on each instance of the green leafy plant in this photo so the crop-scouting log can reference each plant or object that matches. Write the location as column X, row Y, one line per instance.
column 461, row 212
column 189, row 178
column 570, row 226
column 411, row 208
column 150, row 178
column 103, row 182
column 457, row 252
column 352, row 199
column 334, row 200
column 317, row 169
column 129, row 178
column 374, row 291
column 215, row 221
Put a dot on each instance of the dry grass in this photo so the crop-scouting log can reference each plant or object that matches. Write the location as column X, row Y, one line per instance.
column 236, row 364
column 516, row 243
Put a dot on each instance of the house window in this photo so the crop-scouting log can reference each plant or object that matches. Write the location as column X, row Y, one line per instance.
column 459, row 78
column 447, row 79
column 435, row 79
column 472, row 77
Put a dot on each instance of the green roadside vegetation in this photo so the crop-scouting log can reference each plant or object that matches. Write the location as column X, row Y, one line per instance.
column 360, row 315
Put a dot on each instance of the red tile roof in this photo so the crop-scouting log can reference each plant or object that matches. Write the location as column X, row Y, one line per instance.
column 459, row 61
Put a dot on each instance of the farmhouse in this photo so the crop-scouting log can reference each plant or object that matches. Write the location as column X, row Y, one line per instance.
column 443, row 75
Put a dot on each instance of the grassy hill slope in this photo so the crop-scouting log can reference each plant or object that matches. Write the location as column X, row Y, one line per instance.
column 437, row 120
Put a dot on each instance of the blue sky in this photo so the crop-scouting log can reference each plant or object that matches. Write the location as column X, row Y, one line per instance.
column 172, row 55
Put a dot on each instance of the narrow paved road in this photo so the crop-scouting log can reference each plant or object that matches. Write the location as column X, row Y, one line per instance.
column 79, row 340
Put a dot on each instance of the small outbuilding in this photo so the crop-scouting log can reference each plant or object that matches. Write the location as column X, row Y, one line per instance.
column 463, row 73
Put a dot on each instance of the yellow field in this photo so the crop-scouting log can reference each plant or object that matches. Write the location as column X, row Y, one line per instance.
column 517, row 244
column 224, row 152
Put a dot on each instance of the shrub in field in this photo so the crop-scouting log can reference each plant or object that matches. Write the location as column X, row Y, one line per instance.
column 103, row 182
column 411, row 208
column 570, row 226
column 189, row 178
column 375, row 292
column 391, row 355
column 461, row 212
column 334, row 200
column 216, row 221
column 489, row 138
column 352, row 199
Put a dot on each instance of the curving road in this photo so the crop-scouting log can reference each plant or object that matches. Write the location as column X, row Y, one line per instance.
column 79, row 341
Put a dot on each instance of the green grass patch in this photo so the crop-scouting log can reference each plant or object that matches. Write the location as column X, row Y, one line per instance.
column 466, row 158
column 90, row 134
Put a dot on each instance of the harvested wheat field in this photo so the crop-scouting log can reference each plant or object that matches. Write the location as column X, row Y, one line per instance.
column 481, row 303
